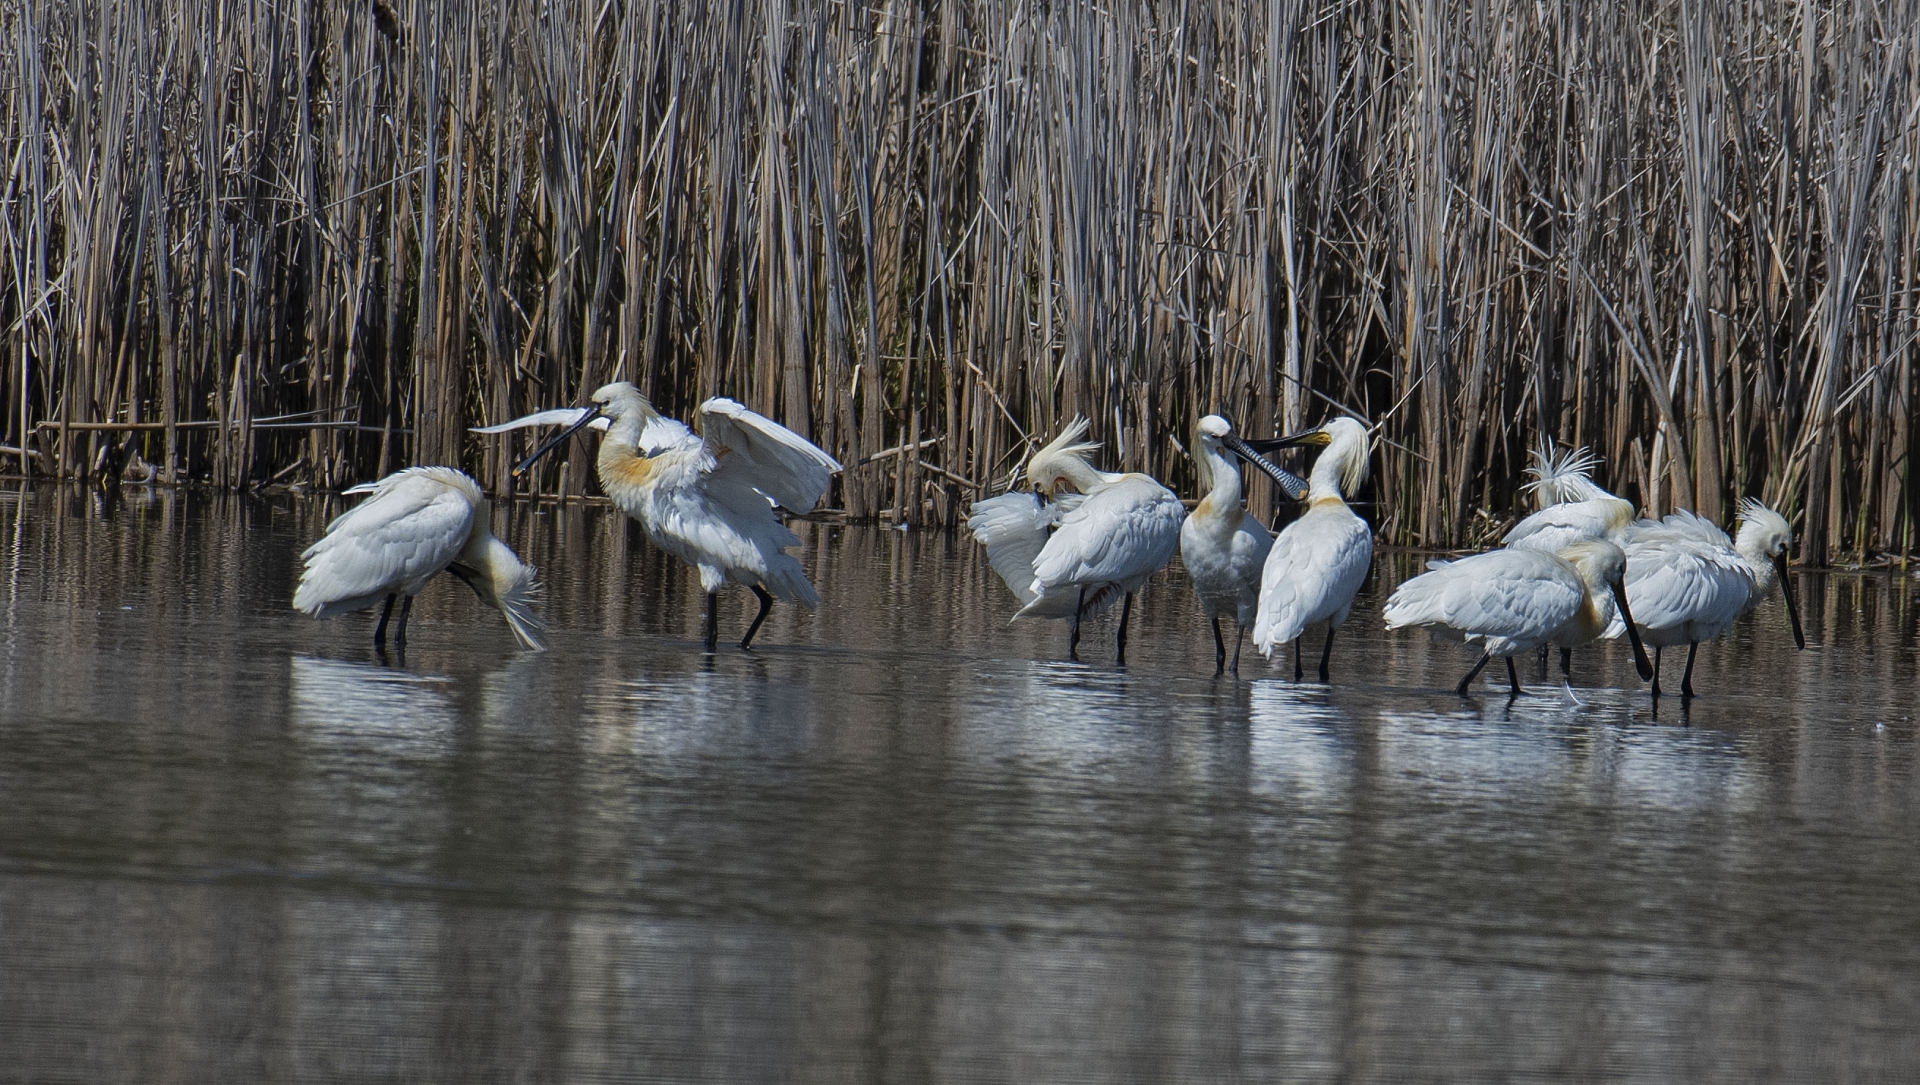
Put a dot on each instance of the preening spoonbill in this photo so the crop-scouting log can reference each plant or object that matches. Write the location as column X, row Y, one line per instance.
column 1688, row 582
column 1319, row 560
column 419, row 522
column 1513, row 601
column 707, row 500
column 1574, row 506
column 1087, row 550
column 1222, row 545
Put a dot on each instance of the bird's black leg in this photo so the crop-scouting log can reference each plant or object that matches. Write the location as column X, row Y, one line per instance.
column 1219, row 649
column 400, row 634
column 1296, row 659
column 766, row 604
column 1238, row 638
column 1656, row 672
column 1513, row 678
column 380, row 630
column 1326, row 652
column 1073, row 638
column 713, row 620
column 1126, row 611
column 1566, row 665
column 1543, row 661
column 1461, row 689
column 1686, row 682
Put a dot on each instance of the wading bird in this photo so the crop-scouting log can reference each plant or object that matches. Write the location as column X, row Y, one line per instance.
column 420, row 521
column 1573, row 508
column 1687, row 581
column 707, row 500
column 1071, row 556
column 1513, row 601
column 1319, row 560
column 1222, row 545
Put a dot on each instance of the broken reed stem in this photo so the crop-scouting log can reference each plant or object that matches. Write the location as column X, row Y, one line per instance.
column 927, row 234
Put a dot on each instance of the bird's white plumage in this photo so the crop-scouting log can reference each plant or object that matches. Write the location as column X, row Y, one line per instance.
column 1223, row 546
column 1014, row 528
column 708, row 499
column 1509, row 600
column 1683, row 589
column 414, row 525
column 1319, row 561
column 417, row 523
column 1687, row 581
column 778, row 462
column 1312, row 573
column 1575, row 507
column 1088, row 549
column 1122, row 533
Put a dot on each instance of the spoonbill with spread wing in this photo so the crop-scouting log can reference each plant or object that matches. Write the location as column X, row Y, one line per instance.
column 706, row 499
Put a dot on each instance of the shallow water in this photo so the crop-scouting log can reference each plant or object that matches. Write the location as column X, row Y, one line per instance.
column 903, row 841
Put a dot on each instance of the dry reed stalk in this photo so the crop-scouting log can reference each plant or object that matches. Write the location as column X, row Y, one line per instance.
column 1685, row 235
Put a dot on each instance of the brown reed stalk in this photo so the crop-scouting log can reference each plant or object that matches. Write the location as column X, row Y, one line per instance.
column 1686, row 234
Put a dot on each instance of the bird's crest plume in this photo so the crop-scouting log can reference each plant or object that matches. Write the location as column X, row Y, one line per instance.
column 1064, row 456
column 1563, row 476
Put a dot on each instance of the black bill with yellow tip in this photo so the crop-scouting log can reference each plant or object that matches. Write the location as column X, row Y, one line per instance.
column 556, row 441
column 1293, row 485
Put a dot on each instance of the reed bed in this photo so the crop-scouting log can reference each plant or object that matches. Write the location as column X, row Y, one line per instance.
column 310, row 242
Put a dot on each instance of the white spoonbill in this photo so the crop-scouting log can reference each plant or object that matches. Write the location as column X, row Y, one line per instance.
column 1574, row 506
column 1122, row 528
column 1319, row 560
column 1688, row 582
column 1513, row 601
column 707, row 500
column 1222, row 545
column 420, row 521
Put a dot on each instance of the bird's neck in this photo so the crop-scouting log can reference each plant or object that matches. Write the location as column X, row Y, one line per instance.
column 1759, row 563
column 1224, row 493
column 1323, row 485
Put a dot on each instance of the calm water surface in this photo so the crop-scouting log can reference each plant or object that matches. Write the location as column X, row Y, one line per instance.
column 903, row 841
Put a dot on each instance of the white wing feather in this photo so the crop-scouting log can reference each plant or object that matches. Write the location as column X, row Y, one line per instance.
column 411, row 528
column 792, row 471
column 1014, row 528
column 1682, row 590
column 1512, row 599
column 1311, row 575
column 559, row 416
column 1122, row 533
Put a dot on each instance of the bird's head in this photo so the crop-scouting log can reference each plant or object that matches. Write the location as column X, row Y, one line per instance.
column 1063, row 462
column 1764, row 539
column 501, row 580
column 1603, row 568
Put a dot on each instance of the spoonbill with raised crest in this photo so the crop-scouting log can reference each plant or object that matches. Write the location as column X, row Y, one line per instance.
column 1070, row 556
